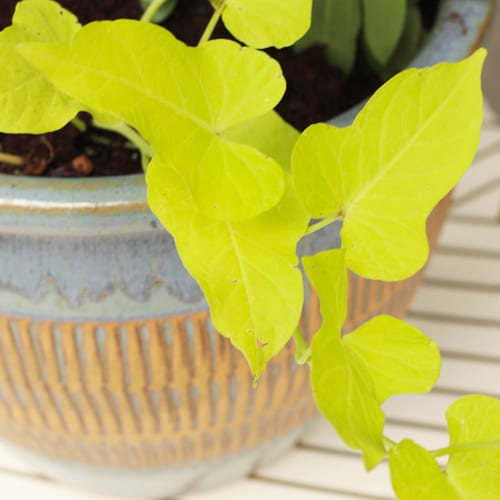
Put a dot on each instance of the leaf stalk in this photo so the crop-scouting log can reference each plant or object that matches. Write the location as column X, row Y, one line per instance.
column 322, row 223
column 152, row 9
column 460, row 447
column 209, row 30
column 11, row 159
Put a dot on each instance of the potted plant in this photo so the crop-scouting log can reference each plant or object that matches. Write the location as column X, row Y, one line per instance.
column 110, row 366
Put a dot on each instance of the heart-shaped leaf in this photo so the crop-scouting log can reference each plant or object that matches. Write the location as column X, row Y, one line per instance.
column 29, row 102
column 384, row 174
column 267, row 23
column 177, row 96
column 400, row 358
column 475, row 473
column 416, row 475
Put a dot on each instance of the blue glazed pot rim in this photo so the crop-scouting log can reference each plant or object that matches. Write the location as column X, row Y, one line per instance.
column 460, row 28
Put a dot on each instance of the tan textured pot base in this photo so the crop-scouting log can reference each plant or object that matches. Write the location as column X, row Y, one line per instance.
column 159, row 483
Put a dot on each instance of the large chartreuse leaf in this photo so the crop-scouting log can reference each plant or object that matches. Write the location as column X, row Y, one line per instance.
column 475, row 473
column 416, row 475
column 384, row 174
column 267, row 23
column 336, row 25
column 29, row 103
column 383, row 24
column 182, row 100
column 247, row 269
column 400, row 358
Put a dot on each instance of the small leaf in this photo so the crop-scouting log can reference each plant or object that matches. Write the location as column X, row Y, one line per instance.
column 416, row 475
column 177, row 96
column 405, row 150
column 342, row 386
column 400, row 358
column 335, row 25
column 475, row 473
column 267, row 23
column 383, row 23
column 29, row 102
column 344, row 393
column 246, row 269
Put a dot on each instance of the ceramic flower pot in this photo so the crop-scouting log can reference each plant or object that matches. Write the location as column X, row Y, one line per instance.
column 111, row 375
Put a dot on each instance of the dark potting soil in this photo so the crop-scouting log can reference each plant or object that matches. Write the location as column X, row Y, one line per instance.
column 316, row 91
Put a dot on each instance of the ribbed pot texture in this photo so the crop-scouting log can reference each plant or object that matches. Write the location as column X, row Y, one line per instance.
column 111, row 374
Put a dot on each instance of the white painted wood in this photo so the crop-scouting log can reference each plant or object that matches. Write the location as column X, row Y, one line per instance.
column 14, row 487
column 458, row 303
column 465, row 339
column 468, row 269
column 323, row 436
column 328, row 470
column 486, row 206
column 255, row 489
column 484, row 173
column 471, row 236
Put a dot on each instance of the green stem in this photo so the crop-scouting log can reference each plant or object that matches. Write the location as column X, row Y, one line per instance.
column 11, row 159
column 213, row 22
column 389, row 443
column 480, row 445
column 129, row 133
column 322, row 223
column 79, row 124
column 150, row 12
column 302, row 348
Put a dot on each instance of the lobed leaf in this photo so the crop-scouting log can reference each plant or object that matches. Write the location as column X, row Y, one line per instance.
column 416, row 475
column 383, row 24
column 475, row 473
column 247, row 269
column 384, row 174
column 177, row 96
column 267, row 23
column 29, row 101
column 399, row 357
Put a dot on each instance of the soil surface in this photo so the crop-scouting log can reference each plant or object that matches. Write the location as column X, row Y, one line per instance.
column 316, row 91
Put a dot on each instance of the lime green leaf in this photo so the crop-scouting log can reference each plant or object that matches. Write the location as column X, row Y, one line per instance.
column 267, row 23
column 177, row 96
column 342, row 385
column 246, row 269
column 475, row 473
column 384, row 174
column 29, row 102
column 270, row 134
column 400, row 358
column 327, row 273
column 382, row 26
column 344, row 393
column 416, row 475
column 336, row 25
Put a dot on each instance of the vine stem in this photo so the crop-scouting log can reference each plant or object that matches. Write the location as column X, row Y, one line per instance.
column 150, row 12
column 302, row 347
column 213, row 22
column 322, row 223
column 480, row 445
column 389, row 443
column 11, row 159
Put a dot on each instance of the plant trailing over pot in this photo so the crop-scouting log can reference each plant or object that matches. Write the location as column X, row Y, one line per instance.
column 238, row 188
